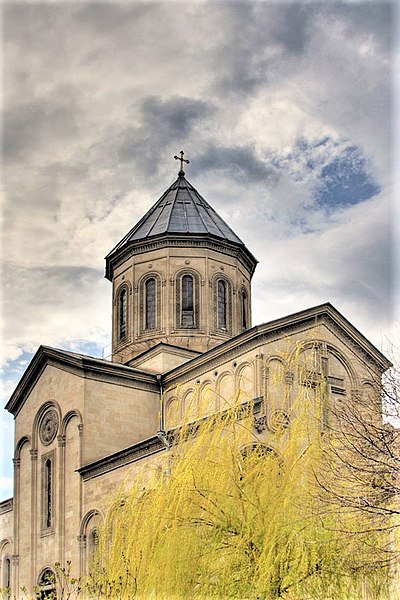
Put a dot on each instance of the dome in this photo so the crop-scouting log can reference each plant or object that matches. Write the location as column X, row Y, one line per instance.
column 181, row 211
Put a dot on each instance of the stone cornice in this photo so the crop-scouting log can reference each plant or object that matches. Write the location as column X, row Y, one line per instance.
column 122, row 457
column 113, row 260
column 6, row 505
column 82, row 366
column 312, row 317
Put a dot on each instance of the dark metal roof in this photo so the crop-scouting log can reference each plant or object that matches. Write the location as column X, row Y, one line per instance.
column 180, row 210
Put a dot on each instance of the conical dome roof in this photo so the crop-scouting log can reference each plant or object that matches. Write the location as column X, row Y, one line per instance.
column 181, row 211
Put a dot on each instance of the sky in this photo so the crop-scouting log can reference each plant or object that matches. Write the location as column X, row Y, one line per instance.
column 286, row 112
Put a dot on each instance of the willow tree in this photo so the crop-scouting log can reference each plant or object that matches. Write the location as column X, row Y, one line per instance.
column 226, row 516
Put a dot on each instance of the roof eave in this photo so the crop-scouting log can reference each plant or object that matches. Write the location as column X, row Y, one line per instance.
column 116, row 258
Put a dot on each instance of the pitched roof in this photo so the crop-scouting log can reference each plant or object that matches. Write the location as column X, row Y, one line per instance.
column 180, row 210
column 78, row 364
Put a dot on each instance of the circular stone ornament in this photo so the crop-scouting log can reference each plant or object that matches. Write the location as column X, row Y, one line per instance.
column 280, row 419
column 48, row 427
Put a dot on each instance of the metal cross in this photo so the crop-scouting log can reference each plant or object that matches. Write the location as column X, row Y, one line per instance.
column 183, row 160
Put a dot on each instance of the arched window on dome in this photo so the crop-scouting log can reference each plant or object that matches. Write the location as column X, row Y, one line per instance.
column 187, row 311
column 187, row 299
column 122, row 313
column 150, row 304
column 244, row 309
column 222, row 305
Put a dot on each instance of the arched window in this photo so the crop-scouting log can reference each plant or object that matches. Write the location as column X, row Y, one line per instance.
column 47, row 585
column 7, row 577
column 150, row 303
column 47, row 509
column 48, row 492
column 187, row 300
column 187, row 316
column 221, row 305
column 244, row 309
column 122, row 314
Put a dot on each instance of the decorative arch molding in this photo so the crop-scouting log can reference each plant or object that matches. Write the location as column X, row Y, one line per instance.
column 68, row 417
column 245, row 385
column 142, row 303
column 177, row 278
column 326, row 349
column 94, row 512
column 122, row 313
column 87, row 537
column 208, row 383
column 46, row 580
column 225, row 390
column 190, row 409
column 173, row 411
column 353, row 377
column 50, row 404
column 229, row 301
column 3, row 545
column 26, row 439
column 276, row 357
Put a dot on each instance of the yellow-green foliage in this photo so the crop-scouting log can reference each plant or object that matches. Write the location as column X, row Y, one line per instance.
column 228, row 517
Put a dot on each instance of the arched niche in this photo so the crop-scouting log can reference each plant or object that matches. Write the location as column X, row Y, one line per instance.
column 190, row 405
column 207, row 398
column 245, row 382
column 88, row 536
column 172, row 412
column 225, row 390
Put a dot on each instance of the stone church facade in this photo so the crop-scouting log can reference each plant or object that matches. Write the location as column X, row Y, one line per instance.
column 181, row 332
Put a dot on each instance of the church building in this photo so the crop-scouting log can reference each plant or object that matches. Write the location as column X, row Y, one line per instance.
column 181, row 330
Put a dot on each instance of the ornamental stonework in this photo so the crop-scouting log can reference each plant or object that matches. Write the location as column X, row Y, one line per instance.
column 48, row 427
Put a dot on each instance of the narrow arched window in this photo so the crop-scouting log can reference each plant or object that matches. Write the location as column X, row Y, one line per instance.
column 122, row 314
column 221, row 305
column 7, row 577
column 150, row 303
column 46, row 585
column 187, row 316
column 243, row 299
column 48, row 493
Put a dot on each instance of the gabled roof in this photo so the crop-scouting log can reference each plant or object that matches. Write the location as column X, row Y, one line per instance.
column 181, row 211
column 322, row 314
column 78, row 364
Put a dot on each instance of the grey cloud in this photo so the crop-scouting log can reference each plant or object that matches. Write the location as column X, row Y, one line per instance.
column 260, row 35
column 107, row 17
column 375, row 18
column 293, row 25
column 40, row 122
column 163, row 121
column 240, row 163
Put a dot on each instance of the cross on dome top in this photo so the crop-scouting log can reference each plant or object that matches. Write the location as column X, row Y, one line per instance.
column 183, row 160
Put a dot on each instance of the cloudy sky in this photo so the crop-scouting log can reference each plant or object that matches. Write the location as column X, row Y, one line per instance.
column 285, row 110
